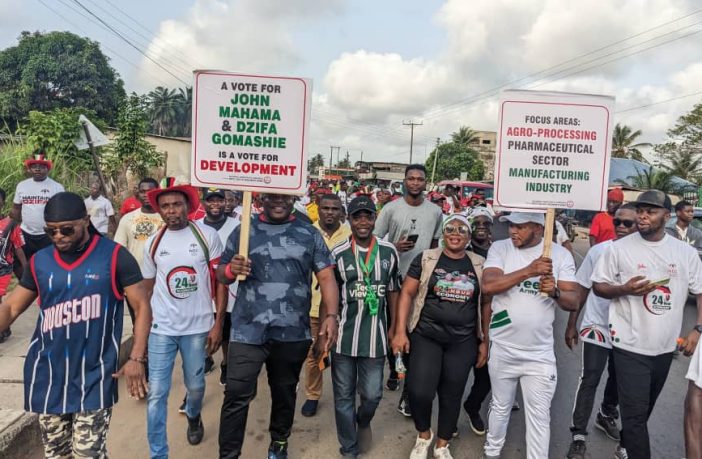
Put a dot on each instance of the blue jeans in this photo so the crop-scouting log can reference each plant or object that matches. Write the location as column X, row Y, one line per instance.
column 162, row 354
column 348, row 375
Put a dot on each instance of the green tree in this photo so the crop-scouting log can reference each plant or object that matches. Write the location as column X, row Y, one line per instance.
column 454, row 158
column 54, row 132
column 681, row 155
column 185, row 111
column 652, row 179
column 688, row 129
column 623, row 145
column 57, row 70
column 345, row 163
column 680, row 161
column 315, row 163
column 164, row 107
column 464, row 136
column 130, row 151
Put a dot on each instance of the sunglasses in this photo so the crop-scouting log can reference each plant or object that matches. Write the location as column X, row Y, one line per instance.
column 462, row 230
column 67, row 230
column 626, row 223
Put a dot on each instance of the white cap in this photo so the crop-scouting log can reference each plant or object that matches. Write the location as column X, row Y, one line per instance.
column 480, row 212
column 519, row 218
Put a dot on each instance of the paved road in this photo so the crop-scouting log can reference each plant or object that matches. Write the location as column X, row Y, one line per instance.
column 394, row 435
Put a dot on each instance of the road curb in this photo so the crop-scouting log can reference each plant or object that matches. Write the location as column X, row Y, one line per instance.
column 21, row 437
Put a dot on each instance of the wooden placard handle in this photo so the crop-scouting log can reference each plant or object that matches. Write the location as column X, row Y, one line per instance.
column 548, row 235
column 245, row 229
column 548, row 232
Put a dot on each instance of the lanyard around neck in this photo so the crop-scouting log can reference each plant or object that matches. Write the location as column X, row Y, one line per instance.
column 368, row 264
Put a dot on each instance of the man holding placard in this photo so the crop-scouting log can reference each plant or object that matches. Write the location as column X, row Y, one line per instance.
column 521, row 328
column 647, row 276
column 271, row 320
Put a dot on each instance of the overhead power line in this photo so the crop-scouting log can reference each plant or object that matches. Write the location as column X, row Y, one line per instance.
column 129, row 42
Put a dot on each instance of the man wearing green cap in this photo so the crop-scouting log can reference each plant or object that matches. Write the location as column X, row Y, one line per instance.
column 647, row 275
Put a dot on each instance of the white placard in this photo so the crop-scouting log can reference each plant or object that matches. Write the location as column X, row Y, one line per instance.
column 250, row 132
column 553, row 150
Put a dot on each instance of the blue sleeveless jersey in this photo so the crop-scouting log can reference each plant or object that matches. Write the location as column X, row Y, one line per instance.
column 75, row 346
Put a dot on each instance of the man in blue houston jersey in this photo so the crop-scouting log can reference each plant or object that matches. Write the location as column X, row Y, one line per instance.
column 70, row 371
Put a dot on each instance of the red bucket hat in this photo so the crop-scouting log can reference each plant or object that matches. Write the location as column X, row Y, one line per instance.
column 38, row 158
column 189, row 191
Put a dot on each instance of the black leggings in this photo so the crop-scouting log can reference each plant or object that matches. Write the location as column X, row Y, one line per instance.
column 443, row 369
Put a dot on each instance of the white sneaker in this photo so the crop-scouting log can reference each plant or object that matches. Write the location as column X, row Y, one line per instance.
column 421, row 448
column 442, row 453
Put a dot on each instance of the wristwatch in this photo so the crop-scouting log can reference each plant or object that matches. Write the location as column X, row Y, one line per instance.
column 698, row 327
column 556, row 293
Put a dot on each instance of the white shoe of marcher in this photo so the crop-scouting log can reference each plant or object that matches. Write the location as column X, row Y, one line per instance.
column 421, row 448
column 442, row 453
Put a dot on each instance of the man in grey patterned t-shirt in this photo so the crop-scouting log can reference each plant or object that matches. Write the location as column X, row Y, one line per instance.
column 270, row 318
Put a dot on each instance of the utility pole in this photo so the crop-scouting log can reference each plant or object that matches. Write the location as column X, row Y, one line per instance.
column 411, row 124
column 331, row 155
column 436, row 155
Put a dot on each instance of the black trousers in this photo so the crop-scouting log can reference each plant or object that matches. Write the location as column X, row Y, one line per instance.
column 595, row 358
column 441, row 368
column 480, row 389
column 34, row 243
column 244, row 361
column 640, row 379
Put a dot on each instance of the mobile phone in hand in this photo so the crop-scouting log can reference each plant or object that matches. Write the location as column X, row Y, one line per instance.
column 324, row 362
column 413, row 238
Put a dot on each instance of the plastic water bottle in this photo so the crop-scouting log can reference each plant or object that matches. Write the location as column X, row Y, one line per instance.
column 400, row 366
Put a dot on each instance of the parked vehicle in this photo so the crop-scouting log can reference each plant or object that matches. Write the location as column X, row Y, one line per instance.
column 469, row 189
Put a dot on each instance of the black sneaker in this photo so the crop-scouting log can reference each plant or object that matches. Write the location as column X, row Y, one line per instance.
column 392, row 384
column 309, row 408
column 195, row 430
column 607, row 425
column 404, row 408
column 209, row 365
column 181, row 408
column 576, row 450
column 365, row 438
column 222, row 375
column 278, row 450
column 476, row 423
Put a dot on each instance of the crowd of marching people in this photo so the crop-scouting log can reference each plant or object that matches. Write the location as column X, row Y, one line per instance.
column 393, row 288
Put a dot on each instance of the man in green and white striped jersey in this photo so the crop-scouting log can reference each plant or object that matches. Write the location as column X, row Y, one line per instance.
column 367, row 273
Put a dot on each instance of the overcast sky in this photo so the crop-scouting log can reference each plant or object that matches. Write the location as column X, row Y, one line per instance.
column 377, row 63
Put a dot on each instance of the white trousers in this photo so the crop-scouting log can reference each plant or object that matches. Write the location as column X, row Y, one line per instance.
column 535, row 371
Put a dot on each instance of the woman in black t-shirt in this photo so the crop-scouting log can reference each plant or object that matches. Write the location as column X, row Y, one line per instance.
column 444, row 286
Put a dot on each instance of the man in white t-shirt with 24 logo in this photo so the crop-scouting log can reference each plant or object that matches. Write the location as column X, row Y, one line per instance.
column 520, row 328
column 179, row 263
column 647, row 275
column 597, row 345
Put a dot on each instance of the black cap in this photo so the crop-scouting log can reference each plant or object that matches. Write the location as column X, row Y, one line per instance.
column 209, row 192
column 655, row 198
column 361, row 203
